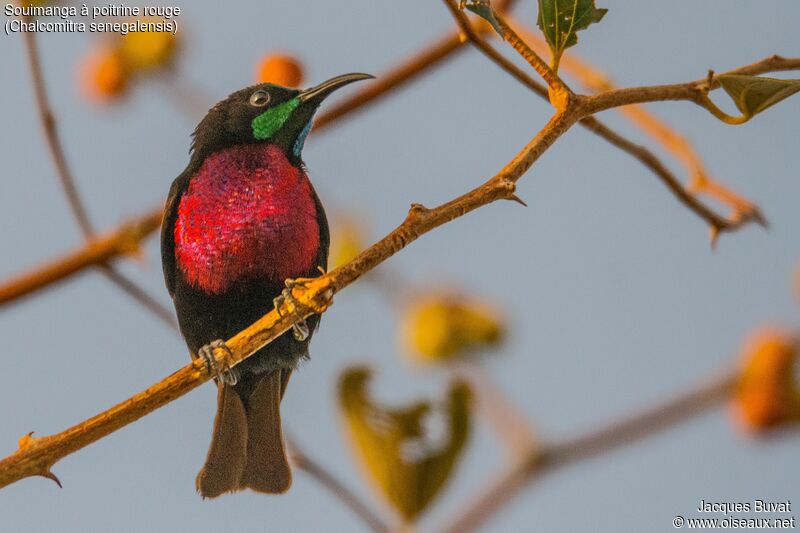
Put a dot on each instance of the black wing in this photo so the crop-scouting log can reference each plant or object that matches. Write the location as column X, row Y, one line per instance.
column 324, row 238
column 179, row 186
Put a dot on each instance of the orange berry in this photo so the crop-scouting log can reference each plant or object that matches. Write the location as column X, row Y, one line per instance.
column 768, row 394
column 280, row 69
column 103, row 75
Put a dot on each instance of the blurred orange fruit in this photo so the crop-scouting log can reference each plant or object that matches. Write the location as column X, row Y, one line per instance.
column 103, row 75
column 768, row 394
column 280, row 69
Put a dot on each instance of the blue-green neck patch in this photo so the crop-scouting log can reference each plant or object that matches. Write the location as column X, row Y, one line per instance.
column 267, row 123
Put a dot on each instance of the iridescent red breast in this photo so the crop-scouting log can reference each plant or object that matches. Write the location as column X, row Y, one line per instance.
column 247, row 213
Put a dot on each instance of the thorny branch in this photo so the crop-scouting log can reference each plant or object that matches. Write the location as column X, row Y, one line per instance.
column 37, row 455
column 744, row 211
column 700, row 180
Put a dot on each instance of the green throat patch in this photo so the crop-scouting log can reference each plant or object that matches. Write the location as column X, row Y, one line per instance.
column 270, row 121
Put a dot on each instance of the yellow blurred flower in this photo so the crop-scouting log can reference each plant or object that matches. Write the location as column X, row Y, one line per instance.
column 392, row 447
column 280, row 69
column 768, row 394
column 145, row 50
column 443, row 326
column 347, row 241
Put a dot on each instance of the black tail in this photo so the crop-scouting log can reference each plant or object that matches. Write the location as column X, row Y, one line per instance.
column 247, row 449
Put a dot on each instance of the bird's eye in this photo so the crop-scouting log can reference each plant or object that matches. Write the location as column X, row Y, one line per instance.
column 259, row 99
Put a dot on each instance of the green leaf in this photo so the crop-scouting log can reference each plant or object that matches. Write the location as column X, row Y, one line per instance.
column 405, row 464
column 560, row 21
column 754, row 94
column 483, row 9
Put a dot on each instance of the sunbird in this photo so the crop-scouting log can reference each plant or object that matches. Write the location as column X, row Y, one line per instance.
column 240, row 221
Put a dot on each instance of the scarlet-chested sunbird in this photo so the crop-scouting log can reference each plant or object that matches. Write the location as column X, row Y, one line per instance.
column 239, row 221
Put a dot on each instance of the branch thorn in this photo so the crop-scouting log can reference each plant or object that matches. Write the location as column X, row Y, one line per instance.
column 715, row 231
column 517, row 199
column 49, row 475
column 710, row 78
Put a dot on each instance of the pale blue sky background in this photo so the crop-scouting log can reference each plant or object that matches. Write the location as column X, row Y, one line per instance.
column 614, row 294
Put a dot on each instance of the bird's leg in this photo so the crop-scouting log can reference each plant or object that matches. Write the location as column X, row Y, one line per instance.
column 300, row 328
column 229, row 376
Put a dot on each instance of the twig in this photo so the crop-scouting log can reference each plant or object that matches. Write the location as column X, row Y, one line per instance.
column 50, row 131
column 717, row 222
column 428, row 57
column 36, row 456
column 64, row 173
column 607, row 438
column 473, row 36
column 140, row 295
column 700, row 180
column 97, row 251
column 334, row 486
column 559, row 94
column 746, row 211
column 693, row 91
column 425, row 60
column 507, row 421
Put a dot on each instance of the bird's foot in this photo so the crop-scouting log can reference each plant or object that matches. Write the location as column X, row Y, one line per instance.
column 229, row 376
column 300, row 328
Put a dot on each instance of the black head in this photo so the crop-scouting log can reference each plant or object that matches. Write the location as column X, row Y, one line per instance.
column 264, row 113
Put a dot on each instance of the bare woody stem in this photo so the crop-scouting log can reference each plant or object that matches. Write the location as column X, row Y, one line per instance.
column 608, row 437
column 699, row 180
column 429, row 57
column 36, row 456
column 644, row 155
column 56, row 150
column 314, row 469
column 559, row 92
column 51, row 134
column 97, row 251
column 745, row 211
column 474, row 36
column 693, row 91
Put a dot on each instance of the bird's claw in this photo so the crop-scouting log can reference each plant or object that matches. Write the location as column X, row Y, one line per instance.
column 300, row 328
column 229, row 376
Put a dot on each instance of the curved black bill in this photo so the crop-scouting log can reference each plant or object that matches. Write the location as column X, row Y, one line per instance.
column 318, row 93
